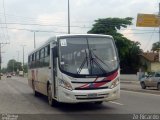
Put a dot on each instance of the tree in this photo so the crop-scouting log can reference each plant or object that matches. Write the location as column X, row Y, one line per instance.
column 25, row 68
column 3, row 70
column 128, row 50
column 13, row 65
column 155, row 46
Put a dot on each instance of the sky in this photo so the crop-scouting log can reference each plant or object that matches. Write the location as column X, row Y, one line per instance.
column 19, row 18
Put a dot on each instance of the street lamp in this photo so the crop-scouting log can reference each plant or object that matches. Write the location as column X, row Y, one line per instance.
column 34, row 35
column 13, row 64
column 68, row 18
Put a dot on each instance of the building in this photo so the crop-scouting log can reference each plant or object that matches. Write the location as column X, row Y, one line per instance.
column 149, row 62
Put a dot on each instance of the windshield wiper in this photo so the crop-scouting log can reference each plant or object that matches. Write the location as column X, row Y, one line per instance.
column 83, row 63
column 92, row 59
column 100, row 60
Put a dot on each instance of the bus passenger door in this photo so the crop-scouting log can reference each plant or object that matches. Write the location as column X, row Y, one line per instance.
column 54, row 73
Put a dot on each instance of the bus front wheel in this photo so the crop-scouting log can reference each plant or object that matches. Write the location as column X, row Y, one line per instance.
column 51, row 101
column 33, row 87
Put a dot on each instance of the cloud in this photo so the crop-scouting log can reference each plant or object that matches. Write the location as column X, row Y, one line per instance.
column 51, row 18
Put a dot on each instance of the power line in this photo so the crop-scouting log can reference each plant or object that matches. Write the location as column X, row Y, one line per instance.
column 43, row 20
column 149, row 40
column 137, row 29
column 28, row 18
column 142, row 33
column 35, row 24
column 31, row 30
column 72, row 26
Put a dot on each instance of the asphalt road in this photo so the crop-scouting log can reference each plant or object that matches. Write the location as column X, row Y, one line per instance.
column 16, row 97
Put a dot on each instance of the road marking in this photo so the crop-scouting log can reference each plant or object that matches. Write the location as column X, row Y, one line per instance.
column 140, row 93
column 116, row 103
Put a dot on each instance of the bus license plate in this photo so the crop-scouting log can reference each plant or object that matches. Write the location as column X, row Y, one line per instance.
column 92, row 95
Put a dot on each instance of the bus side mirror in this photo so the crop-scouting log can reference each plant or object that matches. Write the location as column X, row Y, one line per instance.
column 55, row 51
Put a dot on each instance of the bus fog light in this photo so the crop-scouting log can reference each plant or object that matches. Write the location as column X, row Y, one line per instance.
column 65, row 84
column 115, row 83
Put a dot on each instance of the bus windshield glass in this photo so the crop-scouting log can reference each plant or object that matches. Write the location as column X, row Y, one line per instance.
column 87, row 55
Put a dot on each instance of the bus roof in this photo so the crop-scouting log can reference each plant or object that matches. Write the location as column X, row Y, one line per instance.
column 98, row 35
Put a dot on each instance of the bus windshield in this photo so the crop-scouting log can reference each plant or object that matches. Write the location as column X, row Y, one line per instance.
column 87, row 55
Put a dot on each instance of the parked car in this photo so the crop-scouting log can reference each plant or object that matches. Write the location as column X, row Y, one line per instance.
column 20, row 73
column 151, row 80
column 8, row 75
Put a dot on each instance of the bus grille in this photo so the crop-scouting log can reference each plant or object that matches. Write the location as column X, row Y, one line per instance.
column 91, row 88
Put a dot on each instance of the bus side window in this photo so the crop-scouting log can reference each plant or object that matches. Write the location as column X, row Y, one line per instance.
column 42, row 57
column 37, row 59
column 48, row 51
column 29, row 61
column 33, row 61
column 46, row 61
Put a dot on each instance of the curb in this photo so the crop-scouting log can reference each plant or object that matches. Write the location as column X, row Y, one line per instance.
column 142, row 91
column 130, row 82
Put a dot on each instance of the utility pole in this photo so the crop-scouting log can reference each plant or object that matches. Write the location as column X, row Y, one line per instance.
column 159, row 30
column 34, row 40
column 0, row 61
column 34, row 36
column 68, row 18
column 17, row 56
column 13, row 65
column 1, row 57
column 23, row 59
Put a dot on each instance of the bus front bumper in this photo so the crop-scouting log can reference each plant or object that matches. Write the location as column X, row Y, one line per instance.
column 78, row 96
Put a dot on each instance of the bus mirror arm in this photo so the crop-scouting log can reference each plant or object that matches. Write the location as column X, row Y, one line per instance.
column 55, row 49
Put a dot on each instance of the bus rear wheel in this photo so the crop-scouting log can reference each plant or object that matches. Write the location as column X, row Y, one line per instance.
column 99, row 102
column 51, row 101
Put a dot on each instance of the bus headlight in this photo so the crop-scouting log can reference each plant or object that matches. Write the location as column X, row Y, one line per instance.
column 65, row 84
column 115, row 83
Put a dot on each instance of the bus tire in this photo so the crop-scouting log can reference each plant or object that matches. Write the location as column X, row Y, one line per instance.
column 98, row 102
column 51, row 101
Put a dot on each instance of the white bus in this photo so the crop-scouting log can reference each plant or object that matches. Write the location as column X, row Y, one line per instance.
column 76, row 68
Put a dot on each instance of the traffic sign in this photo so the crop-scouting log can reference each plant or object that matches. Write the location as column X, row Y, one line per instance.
column 148, row 20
